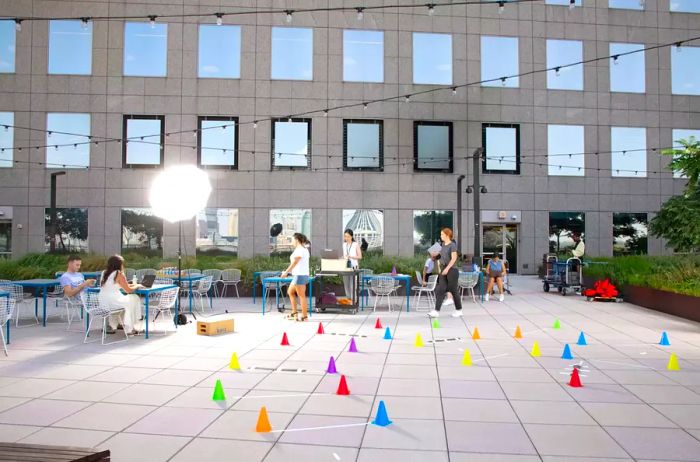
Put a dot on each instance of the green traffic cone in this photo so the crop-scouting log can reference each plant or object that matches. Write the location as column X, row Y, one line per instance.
column 557, row 324
column 436, row 323
column 218, row 392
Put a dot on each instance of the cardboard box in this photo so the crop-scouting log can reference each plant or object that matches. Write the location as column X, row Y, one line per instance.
column 215, row 327
column 339, row 264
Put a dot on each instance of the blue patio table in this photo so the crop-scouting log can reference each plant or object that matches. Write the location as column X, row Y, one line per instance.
column 280, row 280
column 38, row 284
column 256, row 276
column 405, row 278
column 7, row 296
column 145, row 291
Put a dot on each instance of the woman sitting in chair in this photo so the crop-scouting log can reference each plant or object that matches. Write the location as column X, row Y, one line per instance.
column 495, row 270
column 113, row 284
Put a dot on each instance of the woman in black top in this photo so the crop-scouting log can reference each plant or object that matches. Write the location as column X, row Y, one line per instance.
column 448, row 281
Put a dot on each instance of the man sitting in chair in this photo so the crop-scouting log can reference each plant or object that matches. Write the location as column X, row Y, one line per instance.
column 495, row 270
column 72, row 280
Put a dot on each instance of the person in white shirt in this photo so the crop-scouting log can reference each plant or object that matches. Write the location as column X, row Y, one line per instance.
column 299, row 269
column 580, row 247
column 352, row 253
column 113, row 284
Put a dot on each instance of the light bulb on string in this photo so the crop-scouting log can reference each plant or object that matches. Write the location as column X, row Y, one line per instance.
column 85, row 22
column 407, row 98
column 325, row 113
column 18, row 25
column 152, row 20
column 431, row 9
column 503, row 81
column 289, row 15
column 501, row 7
column 572, row 4
column 360, row 13
column 454, row 91
column 615, row 59
column 219, row 19
column 678, row 46
column 556, row 71
column 255, row 124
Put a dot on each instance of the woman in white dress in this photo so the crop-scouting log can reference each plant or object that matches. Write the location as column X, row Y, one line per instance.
column 113, row 283
column 352, row 253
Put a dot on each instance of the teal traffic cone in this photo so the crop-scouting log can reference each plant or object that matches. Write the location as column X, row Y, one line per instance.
column 664, row 339
column 382, row 419
column 567, row 353
column 581, row 339
column 387, row 334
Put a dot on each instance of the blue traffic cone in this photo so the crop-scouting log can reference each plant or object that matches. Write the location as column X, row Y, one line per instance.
column 382, row 418
column 387, row 334
column 567, row 353
column 581, row 339
column 664, row 339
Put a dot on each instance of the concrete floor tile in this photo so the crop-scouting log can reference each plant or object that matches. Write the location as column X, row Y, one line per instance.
column 325, row 430
column 500, row 438
column 552, row 412
column 105, row 416
column 569, row 440
column 395, row 455
column 684, row 415
column 67, row 437
column 41, row 412
column 213, row 450
column 627, row 415
column 657, row 443
column 175, row 421
column 133, row 447
column 478, row 410
column 408, row 434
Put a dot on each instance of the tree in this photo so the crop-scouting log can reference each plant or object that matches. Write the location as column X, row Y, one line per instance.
column 678, row 221
column 427, row 226
column 71, row 226
column 628, row 233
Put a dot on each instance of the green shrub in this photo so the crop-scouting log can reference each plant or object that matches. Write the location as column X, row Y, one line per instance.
column 679, row 274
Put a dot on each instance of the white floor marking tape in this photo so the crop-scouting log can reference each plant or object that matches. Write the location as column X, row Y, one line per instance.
column 320, row 428
column 491, row 357
column 622, row 364
column 337, row 457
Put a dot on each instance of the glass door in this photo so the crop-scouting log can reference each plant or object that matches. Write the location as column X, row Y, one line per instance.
column 501, row 240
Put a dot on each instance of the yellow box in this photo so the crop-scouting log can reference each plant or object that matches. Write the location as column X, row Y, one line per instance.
column 215, row 327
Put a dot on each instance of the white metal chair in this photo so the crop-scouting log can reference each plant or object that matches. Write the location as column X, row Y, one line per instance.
column 193, row 271
column 382, row 286
column 73, row 305
column 230, row 277
column 6, row 306
column 215, row 278
column 142, row 272
column 201, row 290
column 273, row 286
column 428, row 289
column 467, row 281
column 165, row 304
column 96, row 310
column 129, row 273
column 20, row 298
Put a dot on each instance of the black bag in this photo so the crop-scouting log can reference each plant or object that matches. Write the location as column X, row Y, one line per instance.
column 181, row 319
column 348, row 264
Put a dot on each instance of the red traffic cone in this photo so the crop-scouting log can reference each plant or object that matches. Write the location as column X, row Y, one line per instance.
column 320, row 328
column 378, row 324
column 343, row 387
column 285, row 340
column 575, row 379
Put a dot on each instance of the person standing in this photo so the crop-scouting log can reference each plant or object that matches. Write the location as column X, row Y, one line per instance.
column 431, row 267
column 448, row 281
column 113, row 283
column 365, row 245
column 352, row 253
column 299, row 269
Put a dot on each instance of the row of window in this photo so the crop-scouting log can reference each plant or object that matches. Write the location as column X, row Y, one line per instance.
column 675, row 6
column 217, row 230
column 145, row 55
column 363, row 144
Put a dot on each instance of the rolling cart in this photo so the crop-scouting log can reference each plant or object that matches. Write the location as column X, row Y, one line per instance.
column 326, row 301
column 566, row 276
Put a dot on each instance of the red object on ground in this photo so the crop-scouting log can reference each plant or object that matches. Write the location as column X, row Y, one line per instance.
column 575, row 379
column 285, row 340
column 343, row 386
column 378, row 324
column 603, row 289
column 320, row 328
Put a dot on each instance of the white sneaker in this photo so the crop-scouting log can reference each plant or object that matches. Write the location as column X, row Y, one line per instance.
column 434, row 314
column 486, row 297
column 457, row 314
column 501, row 298
column 448, row 301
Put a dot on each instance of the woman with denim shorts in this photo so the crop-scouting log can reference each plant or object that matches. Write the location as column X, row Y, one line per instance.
column 299, row 269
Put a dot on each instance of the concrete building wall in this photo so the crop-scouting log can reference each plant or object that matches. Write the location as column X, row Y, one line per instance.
column 106, row 94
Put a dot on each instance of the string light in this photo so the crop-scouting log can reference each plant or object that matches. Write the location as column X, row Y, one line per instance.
column 18, row 25
column 454, row 91
column 85, row 22
column 572, row 4
column 679, row 46
column 364, row 105
column 289, row 15
column 407, row 98
column 503, row 81
column 152, row 20
column 501, row 7
column 219, row 19
column 325, row 113
column 360, row 15
column 255, row 124
column 431, row 9
column 615, row 58
column 556, row 71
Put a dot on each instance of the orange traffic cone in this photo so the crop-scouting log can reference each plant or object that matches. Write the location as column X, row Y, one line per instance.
column 285, row 340
column 263, row 425
column 575, row 379
column 475, row 335
column 518, row 333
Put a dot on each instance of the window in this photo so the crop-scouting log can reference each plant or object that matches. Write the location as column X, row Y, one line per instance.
column 291, row 143
column 219, row 51
column 562, row 2
column 629, row 234
column 67, row 151
column 684, row 6
column 217, row 232
column 685, row 62
column 292, row 53
column 6, row 237
column 501, row 148
column 7, row 137
column 363, row 56
column 143, row 140
column 363, row 144
column 683, row 135
column 142, row 232
column 145, row 49
column 499, row 59
column 629, row 155
column 563, row 226
column 626, row 4
column 217, row 140
column 70, row 47
column 426, row 228
column 367, row 224
column 563, row 140
column 7, row 46
column 432, row 146
column 561, row 52
column 627, row 72
column 71, row 233
column 283, row 224
column 432, row 59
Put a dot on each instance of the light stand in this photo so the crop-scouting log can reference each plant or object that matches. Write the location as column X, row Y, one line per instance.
column 477, row 189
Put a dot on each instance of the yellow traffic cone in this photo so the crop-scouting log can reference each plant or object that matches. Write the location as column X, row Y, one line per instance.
column 673, row 363
column 467, row 358
column 419, row 341
column 234, row 363
column 535, row 350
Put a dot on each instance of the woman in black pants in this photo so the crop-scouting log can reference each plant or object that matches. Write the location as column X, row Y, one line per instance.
column 449, row 275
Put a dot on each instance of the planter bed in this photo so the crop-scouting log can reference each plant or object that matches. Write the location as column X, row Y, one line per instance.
column 684, row 306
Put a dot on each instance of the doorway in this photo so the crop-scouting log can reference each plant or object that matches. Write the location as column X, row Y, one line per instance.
column 501, row 239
